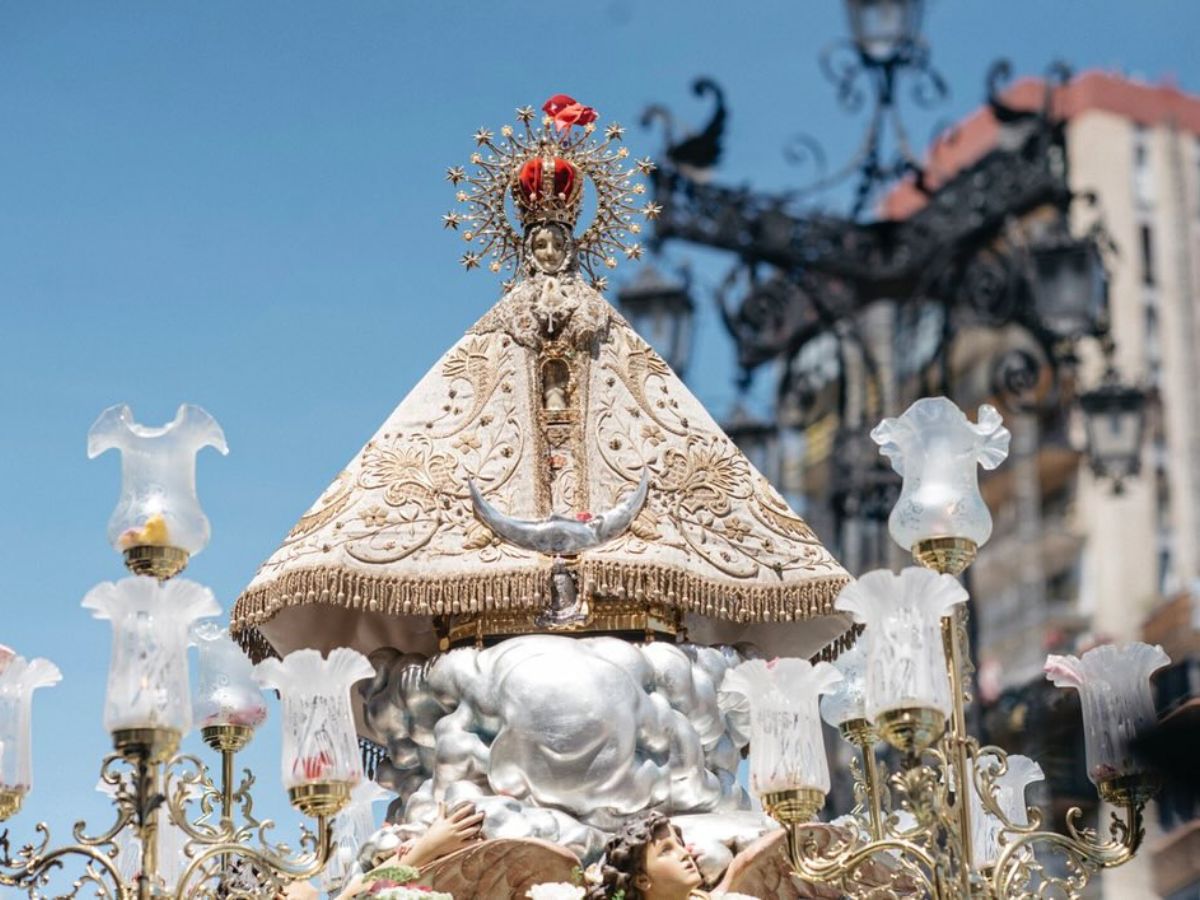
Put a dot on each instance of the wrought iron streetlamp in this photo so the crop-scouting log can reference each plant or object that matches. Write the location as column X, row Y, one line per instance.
column 1069, row 286
column 1114, row 416
column 885, row 30
column 661, row 310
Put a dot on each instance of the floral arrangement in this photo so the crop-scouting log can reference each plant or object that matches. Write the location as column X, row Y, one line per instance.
column 395, row 883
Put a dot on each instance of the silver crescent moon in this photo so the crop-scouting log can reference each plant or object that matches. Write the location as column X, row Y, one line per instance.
column 559, row 535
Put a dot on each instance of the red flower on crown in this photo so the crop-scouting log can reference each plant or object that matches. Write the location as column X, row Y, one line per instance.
column 567, row 111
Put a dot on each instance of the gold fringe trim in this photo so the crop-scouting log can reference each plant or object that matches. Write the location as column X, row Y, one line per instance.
column 838, row 645
column 530, row 590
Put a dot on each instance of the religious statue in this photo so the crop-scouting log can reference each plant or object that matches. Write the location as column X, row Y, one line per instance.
column 550, row 550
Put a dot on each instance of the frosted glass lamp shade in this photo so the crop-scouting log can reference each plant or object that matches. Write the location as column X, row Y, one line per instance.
column 227, row 692
column 1114, row 691
column 906, row 660
column 937, row 452
column 319, row 742
column 148, row 670
column 847, row 700
column 987, row 828
column 19, row 678
column 158, row 506
column 787, row 750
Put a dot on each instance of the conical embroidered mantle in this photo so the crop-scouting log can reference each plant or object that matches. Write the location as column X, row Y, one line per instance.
column 550, row 404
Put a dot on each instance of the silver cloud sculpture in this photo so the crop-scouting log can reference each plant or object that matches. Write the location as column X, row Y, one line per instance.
column 559, row 535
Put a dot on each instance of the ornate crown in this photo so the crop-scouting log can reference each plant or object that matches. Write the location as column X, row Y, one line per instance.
column 544, row 170
column 548, row 189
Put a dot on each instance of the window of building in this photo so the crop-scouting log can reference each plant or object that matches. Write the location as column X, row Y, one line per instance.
column 1143, row 175
column 1146, row 244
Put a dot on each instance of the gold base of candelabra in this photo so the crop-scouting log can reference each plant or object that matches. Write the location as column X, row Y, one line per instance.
column 859, row 732
column 153, row 745
column 1128, row 790
column 794, row 807
column 160, row 562
column 323, row 798
column 10, row 802
column 227, row 738
column 911, row 729
column 950, row 555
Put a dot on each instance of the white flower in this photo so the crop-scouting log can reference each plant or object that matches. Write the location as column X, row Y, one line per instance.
column 557, row 890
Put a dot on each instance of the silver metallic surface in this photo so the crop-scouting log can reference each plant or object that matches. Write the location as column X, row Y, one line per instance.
column 559, row 738
column 559, row 535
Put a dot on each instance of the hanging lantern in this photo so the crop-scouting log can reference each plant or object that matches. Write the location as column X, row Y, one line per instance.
column 883, row 29
column 661, row 311
column 1070, row 286
column 1114, row 416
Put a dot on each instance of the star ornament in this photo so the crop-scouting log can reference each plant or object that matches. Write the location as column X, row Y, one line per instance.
column 482, row 136
column 451, row 220
column 470, row 261
column 456, row 174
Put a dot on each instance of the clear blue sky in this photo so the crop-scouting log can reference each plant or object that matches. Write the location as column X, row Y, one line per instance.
column 236, row 204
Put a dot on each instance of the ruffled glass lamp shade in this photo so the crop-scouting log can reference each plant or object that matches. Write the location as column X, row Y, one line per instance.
column 19, row 678
column 227, row 692
column 787, row 750
column 158, row 510
column 846, row 702
column 1114, row 691
column 1009, row 796
column 906, row 659
column 937, row 452
column 320, row 748
column 148, row 685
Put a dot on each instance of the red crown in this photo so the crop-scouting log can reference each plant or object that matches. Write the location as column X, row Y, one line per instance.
column 548, row 189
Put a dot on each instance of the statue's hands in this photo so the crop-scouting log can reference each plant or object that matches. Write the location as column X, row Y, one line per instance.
column 449, row 832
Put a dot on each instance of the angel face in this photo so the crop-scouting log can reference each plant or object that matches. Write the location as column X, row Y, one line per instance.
column 668, row 870
column 549, row 247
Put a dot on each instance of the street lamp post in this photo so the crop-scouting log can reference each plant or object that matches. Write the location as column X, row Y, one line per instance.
column 661, row 310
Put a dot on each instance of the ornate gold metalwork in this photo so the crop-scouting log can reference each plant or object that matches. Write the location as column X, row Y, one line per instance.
column 324, row 798
column 913, row 832
column 793, row 807
column 911, row 729
column 227, row 860
column 10, row 803
column 232, row 738
column 153, row 744
column 949, row 555
column 160, row 562
column 604, row 617
column 1128, row 789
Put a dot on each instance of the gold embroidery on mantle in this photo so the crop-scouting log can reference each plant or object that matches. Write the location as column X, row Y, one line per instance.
column 396, row 533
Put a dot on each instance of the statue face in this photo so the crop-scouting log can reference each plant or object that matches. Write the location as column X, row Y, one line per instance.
column 548, row 245
column 669, row 872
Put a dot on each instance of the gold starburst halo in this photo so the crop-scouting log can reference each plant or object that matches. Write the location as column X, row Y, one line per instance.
column 566, row 132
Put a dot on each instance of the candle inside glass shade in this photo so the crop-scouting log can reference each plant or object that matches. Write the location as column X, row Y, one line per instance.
column 158, row 506
column 320, row 745
column 787, row 750
column 148, row 684
column 226, row 690
column 352, row 828
column 937, row 452
column 906, row 659
column 19, row 678
column 1114, row 692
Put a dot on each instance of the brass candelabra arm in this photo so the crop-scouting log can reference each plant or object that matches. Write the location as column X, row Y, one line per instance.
column 878, row 869
column 188, row 786
column 1021, row 873
column 37, row 867
column 232, row 870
